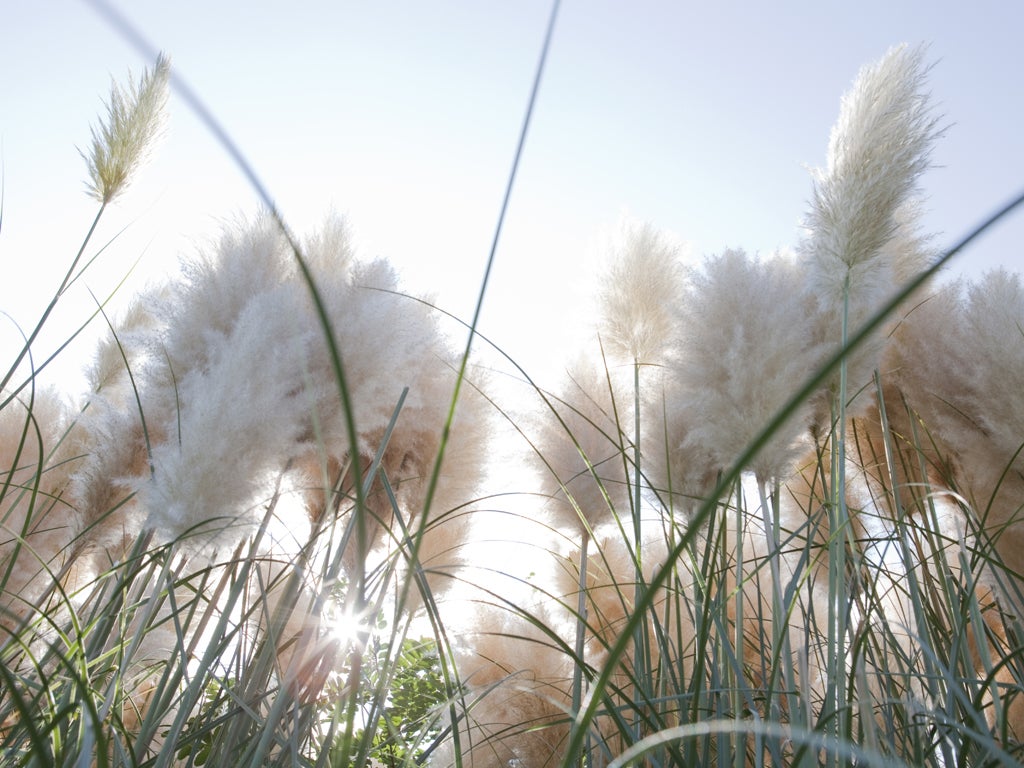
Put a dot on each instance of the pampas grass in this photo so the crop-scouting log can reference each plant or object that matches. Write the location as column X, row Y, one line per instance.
column 727, row 372
column 123, row 141
column 38, row 453
column 226, row 551
column 863, row 202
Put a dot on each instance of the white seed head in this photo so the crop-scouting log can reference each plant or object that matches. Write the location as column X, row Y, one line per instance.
column 135, row 118
column 639, row 290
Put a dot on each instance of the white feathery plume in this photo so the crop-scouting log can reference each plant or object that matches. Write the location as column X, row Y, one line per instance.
column 994, row 357
column 239, row 421
column 879, row 148
column 959, row 363
column 581, row 446
column 639, row 289
column 389, row 343
column 126, row 345
column 135, row 118
column 928, row 363
column 232, row 399
column 328, row 250
column 180, row 426
column 745, row 347
column 114, row 438
column 202, row 308
column 236, row 386
column 909, row 251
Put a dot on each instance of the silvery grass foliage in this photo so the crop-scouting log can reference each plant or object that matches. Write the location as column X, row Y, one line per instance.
column 720, row 574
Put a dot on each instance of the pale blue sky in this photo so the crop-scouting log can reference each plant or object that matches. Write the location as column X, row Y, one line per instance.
column 699, row 117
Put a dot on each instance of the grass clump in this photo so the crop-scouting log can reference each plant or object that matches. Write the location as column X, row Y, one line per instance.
column 769, row 518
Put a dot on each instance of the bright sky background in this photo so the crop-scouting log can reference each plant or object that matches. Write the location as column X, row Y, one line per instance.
column 699, row 117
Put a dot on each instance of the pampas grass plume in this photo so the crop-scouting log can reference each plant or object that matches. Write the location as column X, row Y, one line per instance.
column 861, row 220
column 878, row 149
column 745, row 344
column 580, row 444
column 135, row 117
column 640, row 287
column 959, row 362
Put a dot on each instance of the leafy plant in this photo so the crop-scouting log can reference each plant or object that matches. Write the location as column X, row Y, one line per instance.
column 402, row 694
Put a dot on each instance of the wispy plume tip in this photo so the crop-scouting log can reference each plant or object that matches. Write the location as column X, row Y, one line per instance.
column 120, row 144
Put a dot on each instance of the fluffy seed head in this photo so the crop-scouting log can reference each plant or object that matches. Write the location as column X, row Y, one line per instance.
column 135, row 117
column 861, row 236
column 639, row 289
column 746, row 349
column 581, row 444
column 878, row 149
